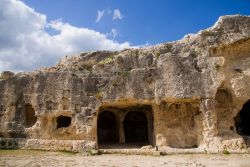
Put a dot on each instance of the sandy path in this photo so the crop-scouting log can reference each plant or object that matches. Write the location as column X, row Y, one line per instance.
column 53, row 159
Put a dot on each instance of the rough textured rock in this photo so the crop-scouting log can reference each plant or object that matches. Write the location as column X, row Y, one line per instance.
column 184, row 94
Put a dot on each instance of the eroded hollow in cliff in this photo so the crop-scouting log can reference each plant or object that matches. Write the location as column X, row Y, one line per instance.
column 224, row 106
column 125, row 127
column 135, row 127
column 63, row 121
column 30, row 118
column 180, row 124
column 242, row 120
column 106, row 128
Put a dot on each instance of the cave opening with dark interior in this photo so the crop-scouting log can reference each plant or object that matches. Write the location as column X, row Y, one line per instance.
column 130, row 126
column 136, row 127
column 30, row 118
column 106, row 128
column 63, row 121
column 242, row 120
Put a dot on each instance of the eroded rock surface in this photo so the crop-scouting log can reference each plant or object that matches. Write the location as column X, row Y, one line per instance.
column 188, row 94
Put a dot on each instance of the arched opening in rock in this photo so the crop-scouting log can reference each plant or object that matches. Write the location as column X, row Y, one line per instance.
column 63, row 121
column 30, row 118
column 125, row 127
column 106, row 128
column 136, row 127
column 242, row 120
column 224, row 104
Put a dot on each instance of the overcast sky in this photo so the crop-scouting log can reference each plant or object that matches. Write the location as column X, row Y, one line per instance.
column 36, row 33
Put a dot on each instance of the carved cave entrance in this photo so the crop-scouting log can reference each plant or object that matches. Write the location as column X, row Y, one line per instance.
column 136, row 127
column 242, row 122
column 224, row 108
column 125, row 127
column 30, row 118
column 106, row 128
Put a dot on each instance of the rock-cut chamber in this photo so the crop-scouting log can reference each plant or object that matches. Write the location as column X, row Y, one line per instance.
column 131, row 126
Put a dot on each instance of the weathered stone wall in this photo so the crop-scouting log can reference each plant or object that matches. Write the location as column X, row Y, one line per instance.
column 196, row 86
column 179, row 125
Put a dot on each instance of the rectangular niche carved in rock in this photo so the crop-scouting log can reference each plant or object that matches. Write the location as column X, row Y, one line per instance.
column 63, row 121
column 130, row 126
column 180, row 124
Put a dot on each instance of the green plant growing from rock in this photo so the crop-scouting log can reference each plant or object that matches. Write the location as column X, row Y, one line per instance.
column 206, row 33
column 226, row 152
column 157, row 54
column 87, row 65
column 217, row 66
column 137, row 52
column 126, row 73
column 107, row 60
column 168, row 47
column 115, row 83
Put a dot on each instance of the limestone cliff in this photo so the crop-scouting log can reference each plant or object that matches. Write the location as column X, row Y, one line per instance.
column 191, row 91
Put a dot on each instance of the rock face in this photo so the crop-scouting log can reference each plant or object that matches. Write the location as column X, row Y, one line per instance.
column 192, row 93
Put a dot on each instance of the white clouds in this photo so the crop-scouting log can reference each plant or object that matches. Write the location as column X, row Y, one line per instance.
column 99, row 15
column 113, row 33
column 25, row 44
column 117, row 14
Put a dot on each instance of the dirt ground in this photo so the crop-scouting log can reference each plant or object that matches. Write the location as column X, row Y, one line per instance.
column 32, row 158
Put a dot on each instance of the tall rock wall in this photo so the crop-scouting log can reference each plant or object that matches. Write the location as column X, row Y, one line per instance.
column 192, row 93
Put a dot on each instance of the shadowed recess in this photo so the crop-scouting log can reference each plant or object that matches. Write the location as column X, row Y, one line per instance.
column 63, row 121
column 106, row 127
column 242, row 120
column 136, row 127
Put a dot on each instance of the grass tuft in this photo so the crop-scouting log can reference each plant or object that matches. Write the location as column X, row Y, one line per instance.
column 226, row 152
